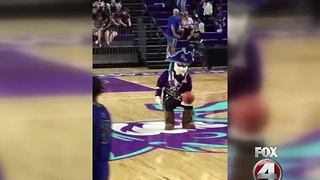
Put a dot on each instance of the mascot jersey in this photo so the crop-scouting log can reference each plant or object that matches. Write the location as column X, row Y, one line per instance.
column 176, row 80
column 174, row 84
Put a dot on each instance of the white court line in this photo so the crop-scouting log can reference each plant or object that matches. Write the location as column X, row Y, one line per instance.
column 148, row 97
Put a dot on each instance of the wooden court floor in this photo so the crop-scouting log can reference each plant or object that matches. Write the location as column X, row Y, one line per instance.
column 163, row 163
column 39, row 138
column 291, row 86
column 291, row 89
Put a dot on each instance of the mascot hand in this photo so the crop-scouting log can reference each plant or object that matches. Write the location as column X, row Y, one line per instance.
column 185, row 104
column 158, row 100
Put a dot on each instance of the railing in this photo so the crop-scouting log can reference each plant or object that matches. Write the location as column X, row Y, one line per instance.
column 142, row 39
column 123, row 43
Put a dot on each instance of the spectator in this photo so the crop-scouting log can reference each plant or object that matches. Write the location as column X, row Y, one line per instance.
column 192, row 10
column 186, row 25
column 111, row 29
column 219, row 18
column 114, row 7
column 181, row 5
column 96, row 9
column 95, row 4
column 195, row 38
column 216, row 3
column 207, row 12
column 94, row 12
column 175, row 13
column 124, row 19
column 105, row 13
column 172, row 32
column 98, row 29
column 201, row 9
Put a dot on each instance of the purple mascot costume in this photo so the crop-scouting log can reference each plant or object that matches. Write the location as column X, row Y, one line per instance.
column 170, row 87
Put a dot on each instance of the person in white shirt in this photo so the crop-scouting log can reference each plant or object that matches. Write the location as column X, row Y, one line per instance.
column 186, row 25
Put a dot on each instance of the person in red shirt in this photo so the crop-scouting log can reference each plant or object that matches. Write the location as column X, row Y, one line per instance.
column 124, row 19
column 111, row 27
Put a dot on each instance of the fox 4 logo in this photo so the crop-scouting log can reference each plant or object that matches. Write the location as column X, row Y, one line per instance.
column 267, row 169
column 266, row 152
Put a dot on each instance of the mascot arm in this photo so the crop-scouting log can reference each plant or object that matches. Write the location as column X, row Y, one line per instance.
column 189, row 83
column 161, row 83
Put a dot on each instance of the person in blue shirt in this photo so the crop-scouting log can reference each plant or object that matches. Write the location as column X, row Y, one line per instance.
column 219, row 17
column 101, row 134
column 172, row 31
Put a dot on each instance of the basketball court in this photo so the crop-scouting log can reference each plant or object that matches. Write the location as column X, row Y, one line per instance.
column 48, row 141
column 144, row 148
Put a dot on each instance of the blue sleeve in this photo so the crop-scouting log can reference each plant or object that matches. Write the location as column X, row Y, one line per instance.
column 171, row 22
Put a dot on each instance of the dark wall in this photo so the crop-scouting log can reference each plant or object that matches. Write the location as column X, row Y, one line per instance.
column 215, row 56
column 115, row 60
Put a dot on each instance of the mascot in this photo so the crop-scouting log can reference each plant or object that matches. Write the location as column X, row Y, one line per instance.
column 170, row 87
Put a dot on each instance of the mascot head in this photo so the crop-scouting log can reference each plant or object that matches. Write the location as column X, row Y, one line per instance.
column 180, row 61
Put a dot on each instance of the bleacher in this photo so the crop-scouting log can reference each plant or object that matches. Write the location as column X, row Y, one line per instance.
column 160, row 13
column 147, row 39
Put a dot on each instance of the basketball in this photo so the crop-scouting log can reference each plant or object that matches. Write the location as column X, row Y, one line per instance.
column 249, row 114
column 188, row 97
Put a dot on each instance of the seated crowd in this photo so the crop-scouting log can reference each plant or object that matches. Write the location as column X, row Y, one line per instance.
column 109, row 19
column 193, row 22
column 207, row 11
column 204, row 12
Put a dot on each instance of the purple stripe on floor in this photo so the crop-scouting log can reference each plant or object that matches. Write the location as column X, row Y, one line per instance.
column 119, row 85
column 41, row 41
column 26, row 75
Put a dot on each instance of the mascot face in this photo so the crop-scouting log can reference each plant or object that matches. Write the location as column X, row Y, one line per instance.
column 180, row 69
